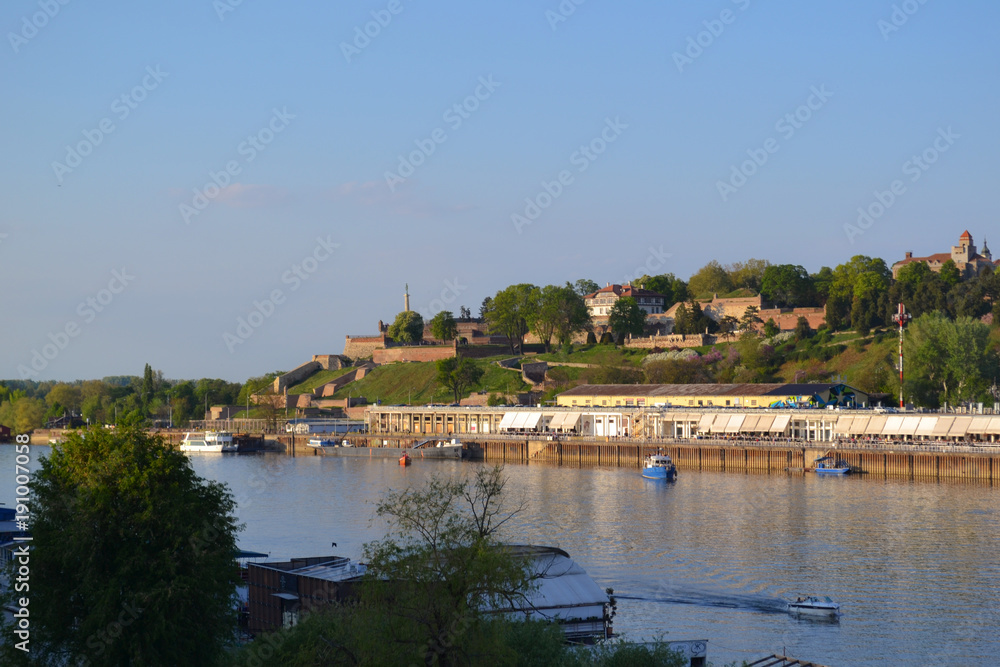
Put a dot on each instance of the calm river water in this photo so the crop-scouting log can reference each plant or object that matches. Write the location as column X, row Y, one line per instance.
column 915, row 565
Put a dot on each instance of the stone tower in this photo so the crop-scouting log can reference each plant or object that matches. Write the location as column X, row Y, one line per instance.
column 406, row 298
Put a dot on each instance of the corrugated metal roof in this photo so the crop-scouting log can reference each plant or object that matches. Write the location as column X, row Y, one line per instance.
column 743, row 389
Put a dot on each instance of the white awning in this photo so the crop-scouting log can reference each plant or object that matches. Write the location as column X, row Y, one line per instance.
column 570, row 420
column 508, row 419
column 719, row 425
column 750, row 423
column 910, row 425
column 734, row 423
column 893, row 425
column 843, row 425
column 979, row 425
column 994, row 425
column 780, row 423
column 706, row 422
column 764, row 423
column 875, row 425
column 927, row 425
column 960, row 427
column 557, row 420
column 943, row 426
column 859, row 425
column 519, row 420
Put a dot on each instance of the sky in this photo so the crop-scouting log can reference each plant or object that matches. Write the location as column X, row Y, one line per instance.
column 226, row 188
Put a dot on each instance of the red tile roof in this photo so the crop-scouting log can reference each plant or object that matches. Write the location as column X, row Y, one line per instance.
column 624, row 290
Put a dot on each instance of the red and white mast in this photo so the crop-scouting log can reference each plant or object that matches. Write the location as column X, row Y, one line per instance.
column 902, row 317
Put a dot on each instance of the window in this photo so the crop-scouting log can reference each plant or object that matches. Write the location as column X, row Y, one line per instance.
column 727, row 403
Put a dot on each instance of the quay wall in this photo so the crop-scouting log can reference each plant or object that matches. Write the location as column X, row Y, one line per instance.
column 721, row 457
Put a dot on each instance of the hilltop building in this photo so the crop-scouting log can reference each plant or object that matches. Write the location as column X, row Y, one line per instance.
column 603, row 300
column 969, row 261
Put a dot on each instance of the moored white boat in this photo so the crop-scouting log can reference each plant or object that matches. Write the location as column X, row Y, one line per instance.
column 210, row 441
column 659, row 466
column 814, row 606
column 323, row 442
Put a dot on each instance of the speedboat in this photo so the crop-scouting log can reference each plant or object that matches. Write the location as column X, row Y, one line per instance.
column 659, row 466
column 814, row 606
column 825, row 465
column 211, row 441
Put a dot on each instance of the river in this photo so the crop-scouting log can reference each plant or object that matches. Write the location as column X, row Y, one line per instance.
column 915, row 565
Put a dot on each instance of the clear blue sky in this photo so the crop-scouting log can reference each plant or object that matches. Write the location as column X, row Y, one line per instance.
column 199, row 80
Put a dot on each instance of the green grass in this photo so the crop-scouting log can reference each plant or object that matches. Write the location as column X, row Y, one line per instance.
column 591, row 354
column 317, row 379
column 416, row 383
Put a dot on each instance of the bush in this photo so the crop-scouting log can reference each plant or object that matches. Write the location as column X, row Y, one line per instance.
column 607, row 338
column 591, row 338
column 496, row 399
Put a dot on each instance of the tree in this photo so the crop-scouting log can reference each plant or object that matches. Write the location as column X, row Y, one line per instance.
column 132, row 556
column 561, row 313
column 750, row 319
column 68, row 396
column 787, row 285
column 458, row 374
column 626, row 317
column 802, row 328
column 146, row 391
column 710, row 279
column 949, row 273
column 464, row 314
column 729, row 324
column 511, row 310
column 771, row 327
column 682, row 321
column 583, row 287
column 485, row 308
column 671, row 287
column 858, row 293
column 408, row 327
column 749, row 274
column 444, row 543
column 591, row 338
column 443, row 326
column 948, row 360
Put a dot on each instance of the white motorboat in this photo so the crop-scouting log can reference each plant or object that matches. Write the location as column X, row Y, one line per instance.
column 814, row 606
column 211, row 441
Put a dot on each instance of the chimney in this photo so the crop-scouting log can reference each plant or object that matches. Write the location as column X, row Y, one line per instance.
column 909, row 255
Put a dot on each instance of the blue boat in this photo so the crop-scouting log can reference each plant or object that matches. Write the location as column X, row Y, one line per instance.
column 825, row 465
column 659, row 466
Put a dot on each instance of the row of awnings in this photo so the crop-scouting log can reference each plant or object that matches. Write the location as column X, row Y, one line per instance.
column 528, row 421
column 725, row 423
column 937, row 427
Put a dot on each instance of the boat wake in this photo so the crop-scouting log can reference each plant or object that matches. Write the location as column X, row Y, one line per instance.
column 704, row 598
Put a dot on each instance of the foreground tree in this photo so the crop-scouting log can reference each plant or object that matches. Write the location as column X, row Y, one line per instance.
column 948, row 360
column 408, row 327
column 132, row 557
column 561, row 313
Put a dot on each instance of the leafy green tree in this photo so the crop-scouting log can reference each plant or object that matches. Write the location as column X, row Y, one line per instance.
column 626, row 317
column 591, row 338
column 458, row 374
column 671, row 287
column 26, row 414
column 948, row 360
column 858, row 294
column 68, row 396
column 750, row 319
column 698, row 321
column 771, row 327
column 950, row 273
column 511, row 310
column 802, row 329
column 583, row 287
column 710, row 279
column 408, row 327
column 607, row 338
column 443, row 326
column 728, row 325
column 682, row 320
column 749, row 274
column 146, row 391
column 132, row 556
column 787, row 285
column 561, row 313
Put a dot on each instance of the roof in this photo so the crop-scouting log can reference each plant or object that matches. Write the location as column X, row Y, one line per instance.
column 624, row 290
column 745, row 389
